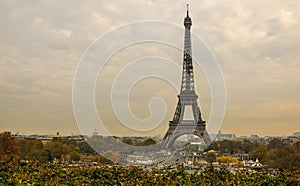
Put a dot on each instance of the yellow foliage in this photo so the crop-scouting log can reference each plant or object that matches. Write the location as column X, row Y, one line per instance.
column 227, row 159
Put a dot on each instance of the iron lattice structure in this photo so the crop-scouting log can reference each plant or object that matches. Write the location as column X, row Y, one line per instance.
column 187, row 97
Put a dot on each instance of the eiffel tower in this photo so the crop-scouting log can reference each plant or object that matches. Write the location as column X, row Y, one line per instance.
column 187, row 98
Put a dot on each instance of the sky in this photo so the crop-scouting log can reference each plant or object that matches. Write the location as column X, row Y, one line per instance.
column 256, row 44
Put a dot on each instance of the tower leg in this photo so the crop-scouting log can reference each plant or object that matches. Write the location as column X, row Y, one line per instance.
column 175, row 131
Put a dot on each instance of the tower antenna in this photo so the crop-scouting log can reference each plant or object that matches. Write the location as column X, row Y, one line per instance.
column 187, row 10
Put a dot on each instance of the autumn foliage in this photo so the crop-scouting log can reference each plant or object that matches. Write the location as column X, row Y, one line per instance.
column 52, row 174
column 9, row 147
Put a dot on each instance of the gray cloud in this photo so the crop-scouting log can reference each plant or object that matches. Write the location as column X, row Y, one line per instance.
column 257, row 44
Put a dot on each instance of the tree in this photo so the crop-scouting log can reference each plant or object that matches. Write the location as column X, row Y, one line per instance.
column 227, row 159
column 8, row 146
column 37, row 155
column 85, row 148
column 231, row 146
column 247, row 146
column 75, row 155
column 192, row 148
column 111, row 155
column 296, row 146
column 275, row 144
column 261, row 153
column 285, row 158
column 149, row 141
column 31, row 149
column 211, row 157
column 56, row 149
column 128, row 141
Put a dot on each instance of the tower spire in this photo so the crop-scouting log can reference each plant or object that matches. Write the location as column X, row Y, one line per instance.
column 187, row 10
column 187, row 19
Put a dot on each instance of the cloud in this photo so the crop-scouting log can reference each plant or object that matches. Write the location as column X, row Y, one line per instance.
column 42, row 41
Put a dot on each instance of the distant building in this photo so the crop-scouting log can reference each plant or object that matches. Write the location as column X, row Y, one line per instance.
column 254, row 137
column 95, row 133
column 45, row 139
column 48, row 138
column 290, row 139
column 270, row 138
column 221, row 136
column 297, row 134
column 76, row 137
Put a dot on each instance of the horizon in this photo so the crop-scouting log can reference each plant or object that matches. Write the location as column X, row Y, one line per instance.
column 91, row 134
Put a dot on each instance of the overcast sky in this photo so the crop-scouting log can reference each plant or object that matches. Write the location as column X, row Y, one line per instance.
column 256, row 43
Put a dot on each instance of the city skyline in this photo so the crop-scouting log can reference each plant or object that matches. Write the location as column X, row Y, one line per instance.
column 256, row 44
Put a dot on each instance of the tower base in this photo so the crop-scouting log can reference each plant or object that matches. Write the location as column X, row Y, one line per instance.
column 177, row 130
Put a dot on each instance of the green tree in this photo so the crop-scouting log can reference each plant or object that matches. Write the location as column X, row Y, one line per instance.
column 211, row 157
column 75, row 155
column 85, row 148
column 296, row 146
column 275, row 144
column 247, row 146
column 111, row 155
column 261, row 153
column 192, row 148
column 37, row 155
column 285, row 158
column 56, row 149
column 128, row 141
column 149, row 141
column 31, row 149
